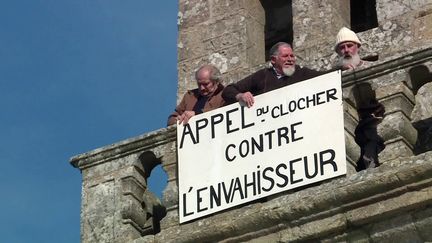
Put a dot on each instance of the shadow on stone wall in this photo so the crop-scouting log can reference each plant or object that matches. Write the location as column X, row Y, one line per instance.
column 419, row 76
column 420, row 81
column 424, row 139
column 371, row 113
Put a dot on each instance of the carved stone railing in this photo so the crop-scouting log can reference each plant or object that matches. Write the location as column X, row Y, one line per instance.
column 361, row 207
column 118, row 207
column 393, row 84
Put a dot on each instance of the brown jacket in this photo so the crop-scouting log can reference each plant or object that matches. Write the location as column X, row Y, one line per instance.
column 265, row 80
column 191, row 97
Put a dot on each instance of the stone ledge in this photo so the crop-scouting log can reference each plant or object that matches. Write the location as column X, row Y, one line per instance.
column 380, row 68
column 343, row 197
column 122, row 148
column 390, row 91
column 395, row 125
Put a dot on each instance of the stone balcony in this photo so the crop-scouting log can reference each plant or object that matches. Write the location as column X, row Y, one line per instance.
column 392, row 202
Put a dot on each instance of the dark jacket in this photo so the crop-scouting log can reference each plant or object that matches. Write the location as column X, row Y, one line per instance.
column 266, row 80
column 190, row 99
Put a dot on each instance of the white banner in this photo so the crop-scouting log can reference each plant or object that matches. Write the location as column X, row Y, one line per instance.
column 291, row 137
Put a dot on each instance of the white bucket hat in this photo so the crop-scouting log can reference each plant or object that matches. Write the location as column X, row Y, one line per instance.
column 346, row 34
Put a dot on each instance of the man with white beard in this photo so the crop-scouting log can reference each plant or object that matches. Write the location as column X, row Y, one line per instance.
column 282, row 72
column 370, row 110
column 347, row 47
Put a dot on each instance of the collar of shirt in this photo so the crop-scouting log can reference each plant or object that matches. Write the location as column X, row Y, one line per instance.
column 278, row 75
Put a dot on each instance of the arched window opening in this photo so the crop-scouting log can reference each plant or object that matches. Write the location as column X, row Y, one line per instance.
column 364, row 95
column 419, row 75
column 156, row 179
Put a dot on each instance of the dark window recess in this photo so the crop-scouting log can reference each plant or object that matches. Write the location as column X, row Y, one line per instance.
column 419, row 76
column 363, row 15
column 278, row 22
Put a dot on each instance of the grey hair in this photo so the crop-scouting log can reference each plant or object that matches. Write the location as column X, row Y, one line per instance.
column 274, row 50
column 215, row 74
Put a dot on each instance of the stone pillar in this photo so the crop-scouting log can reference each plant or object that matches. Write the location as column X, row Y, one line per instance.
column 402, row 28
column 112, row 193
column 350, row 123
column 422, row 118
column 315, row 26
column 226, row 33
column 170, row 195
column 116, row 205
column 396, row 129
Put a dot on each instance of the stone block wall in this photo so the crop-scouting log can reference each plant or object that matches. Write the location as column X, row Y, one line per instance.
column 390, row 203
column 225, row 33
column 316, row 24
column 402, row 26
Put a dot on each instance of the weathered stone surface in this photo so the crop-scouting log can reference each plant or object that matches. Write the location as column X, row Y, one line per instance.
column 419, row 26
column 224, row 7
column 192, row 12
column 421, row 116
column 314, row 218
column 352, row 149
column 360, row 236
column 367, row 189
column 263, row 239
column 423, row 223
column 423, row 107
column 391, row 38
column 318, row 57
column 395, row 125
column 396, row 97
column 397, row 128
column 227, row 58
column 315, row 229
column 315, row 25
column 352, row 152
column 389, row 9
column 226, row 34
column 395, row 148
column 191, row 45
column 317, row 20
column 114, row 205
column 398, row 229
column 394, row 35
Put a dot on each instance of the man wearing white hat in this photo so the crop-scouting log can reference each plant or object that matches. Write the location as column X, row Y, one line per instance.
column 347, row 48
column 371, row 112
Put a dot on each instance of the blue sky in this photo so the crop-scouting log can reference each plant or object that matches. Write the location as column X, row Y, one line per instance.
column 75, row 76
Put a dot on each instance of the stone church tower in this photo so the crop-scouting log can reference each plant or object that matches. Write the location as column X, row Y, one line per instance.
column 391, row 203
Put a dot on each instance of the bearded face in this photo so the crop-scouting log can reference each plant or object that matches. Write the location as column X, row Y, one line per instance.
column 288, row 71
column 348, row 54
column 284, row 61
column 349, row 60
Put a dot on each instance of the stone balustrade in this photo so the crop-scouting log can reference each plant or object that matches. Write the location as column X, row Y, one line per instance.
column 118, row 207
